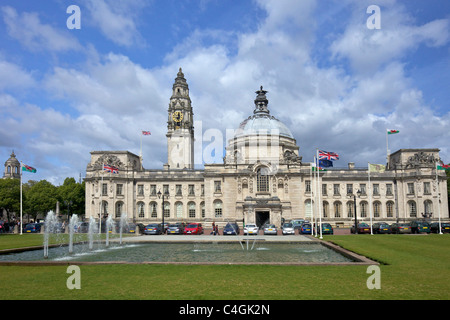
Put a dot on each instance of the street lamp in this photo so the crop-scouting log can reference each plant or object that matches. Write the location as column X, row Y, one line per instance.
column 162, row 206
column 356, row 216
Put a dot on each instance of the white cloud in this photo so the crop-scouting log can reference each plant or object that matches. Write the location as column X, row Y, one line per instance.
column 28, row 30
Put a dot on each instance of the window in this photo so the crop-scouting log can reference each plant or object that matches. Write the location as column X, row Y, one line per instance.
column 140, row 189
column 426, row 188
column 389, row 189
column 390, row 209
column 262, row 180
column 104, row 189
column 191, row 190
column 410, row 188
column 412, row 209
column 336, row 189
column 350, row 209
column 178, row 191
column 428, row 205
column 191, row 208
column 179, row 208
column 324, row 189
column 337, row 209
column 202, row 190
column 141, row 209
column 308, row 185
column 166, row 210
column 217, row 186
column 218, row 209
column 166, row 189
column 202, row 209
column 376, row 189
column 376, row 209
column 326, row 208
column 363, row 206
column 362, row 187
column 153, row 210
column 153, row 190
column 119, row 189
column 349, row 188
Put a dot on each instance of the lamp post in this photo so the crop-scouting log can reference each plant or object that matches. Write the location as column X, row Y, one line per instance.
column 356, row 216
column 162, row 205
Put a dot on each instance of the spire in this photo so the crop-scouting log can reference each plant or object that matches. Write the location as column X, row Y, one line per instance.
column 261, row 102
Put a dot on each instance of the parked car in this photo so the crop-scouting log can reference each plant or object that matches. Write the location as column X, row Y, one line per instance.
column 231, row 229
column 420, row 226
column 83, row 227
column 381, row 227
column 251, row 229
column 445, row 227
column 193, row 228
column 297, row 223
column 287, row 228
column 362, row 228
column 400, row 228
column 33, row 228
column 176, row 228
column 306, row 228
column 130, row 228
column 327, row 228
column 270, row 229
column 153, row 228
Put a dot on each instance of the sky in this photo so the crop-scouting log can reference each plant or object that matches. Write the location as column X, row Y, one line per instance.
column 337, row 74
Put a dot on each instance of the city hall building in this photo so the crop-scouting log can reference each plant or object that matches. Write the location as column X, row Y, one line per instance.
column 262, row 179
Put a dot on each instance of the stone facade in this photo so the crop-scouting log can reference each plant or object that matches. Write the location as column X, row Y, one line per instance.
column 262, row 179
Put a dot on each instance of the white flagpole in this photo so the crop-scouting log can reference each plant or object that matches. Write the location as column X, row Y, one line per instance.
column 312, row 198
column 370, row 199
column 439, row 199
column 21, row 206
column 319, row 192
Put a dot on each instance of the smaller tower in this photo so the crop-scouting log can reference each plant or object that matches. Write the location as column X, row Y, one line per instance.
column 180, row 126
column 12, row 168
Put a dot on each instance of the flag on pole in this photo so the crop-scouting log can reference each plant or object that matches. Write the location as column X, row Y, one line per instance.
column 146, row 133
column 110, row 168
column 376, row 167
column 392, row 131
column 28, row 168
column 325, row 155
column 443, row 166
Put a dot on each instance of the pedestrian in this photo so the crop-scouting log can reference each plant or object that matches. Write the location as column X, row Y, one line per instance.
column 217, row 230
column 213, row 232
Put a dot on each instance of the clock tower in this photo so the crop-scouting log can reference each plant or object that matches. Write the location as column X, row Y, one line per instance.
column 180, row 126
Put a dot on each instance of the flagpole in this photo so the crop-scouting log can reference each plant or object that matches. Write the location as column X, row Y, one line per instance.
column 370, row 199
column 439, row 199
column 140, row 152
column 312, row 198
column 21, row 205
column 319, row 192
column 387, row 148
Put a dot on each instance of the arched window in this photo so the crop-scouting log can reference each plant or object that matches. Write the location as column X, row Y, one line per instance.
column 141, row 209
column 390, row 209
column 166, row 210
column 377, row 209
column 428, row 206
column 337, row 205
column 179, row 209
column 412, row 208
column 325, row 208
column 191, row 209
column 350, row 209
column 363, row 208
column 308, row 209
column 153, row 209
column 262, row 179
column 202, row 209
column 218, row 208
column 119, row 208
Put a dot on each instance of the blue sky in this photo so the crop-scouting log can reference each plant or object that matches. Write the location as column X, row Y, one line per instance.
column 335, row 83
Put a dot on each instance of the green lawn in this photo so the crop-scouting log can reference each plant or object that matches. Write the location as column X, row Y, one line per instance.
column 413, row 267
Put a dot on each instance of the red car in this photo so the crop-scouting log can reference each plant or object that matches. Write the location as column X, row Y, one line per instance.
column 362, row 228
column 193, row 228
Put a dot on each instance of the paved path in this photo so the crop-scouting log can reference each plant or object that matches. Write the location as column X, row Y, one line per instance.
column 211, row 238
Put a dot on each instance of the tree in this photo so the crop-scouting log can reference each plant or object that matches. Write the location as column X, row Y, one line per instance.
column 10, row 196
column 72, row 196
column 41, row 197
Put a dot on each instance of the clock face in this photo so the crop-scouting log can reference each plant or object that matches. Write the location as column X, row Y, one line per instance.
column 177, row 116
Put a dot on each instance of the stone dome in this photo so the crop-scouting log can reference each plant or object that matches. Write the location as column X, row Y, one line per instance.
column 261, row 122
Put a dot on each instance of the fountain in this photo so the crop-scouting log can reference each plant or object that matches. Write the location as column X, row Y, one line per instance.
column 109, row 226
column 122, row 224
column 49, row 227
column 72, row 224
column 93, row 229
